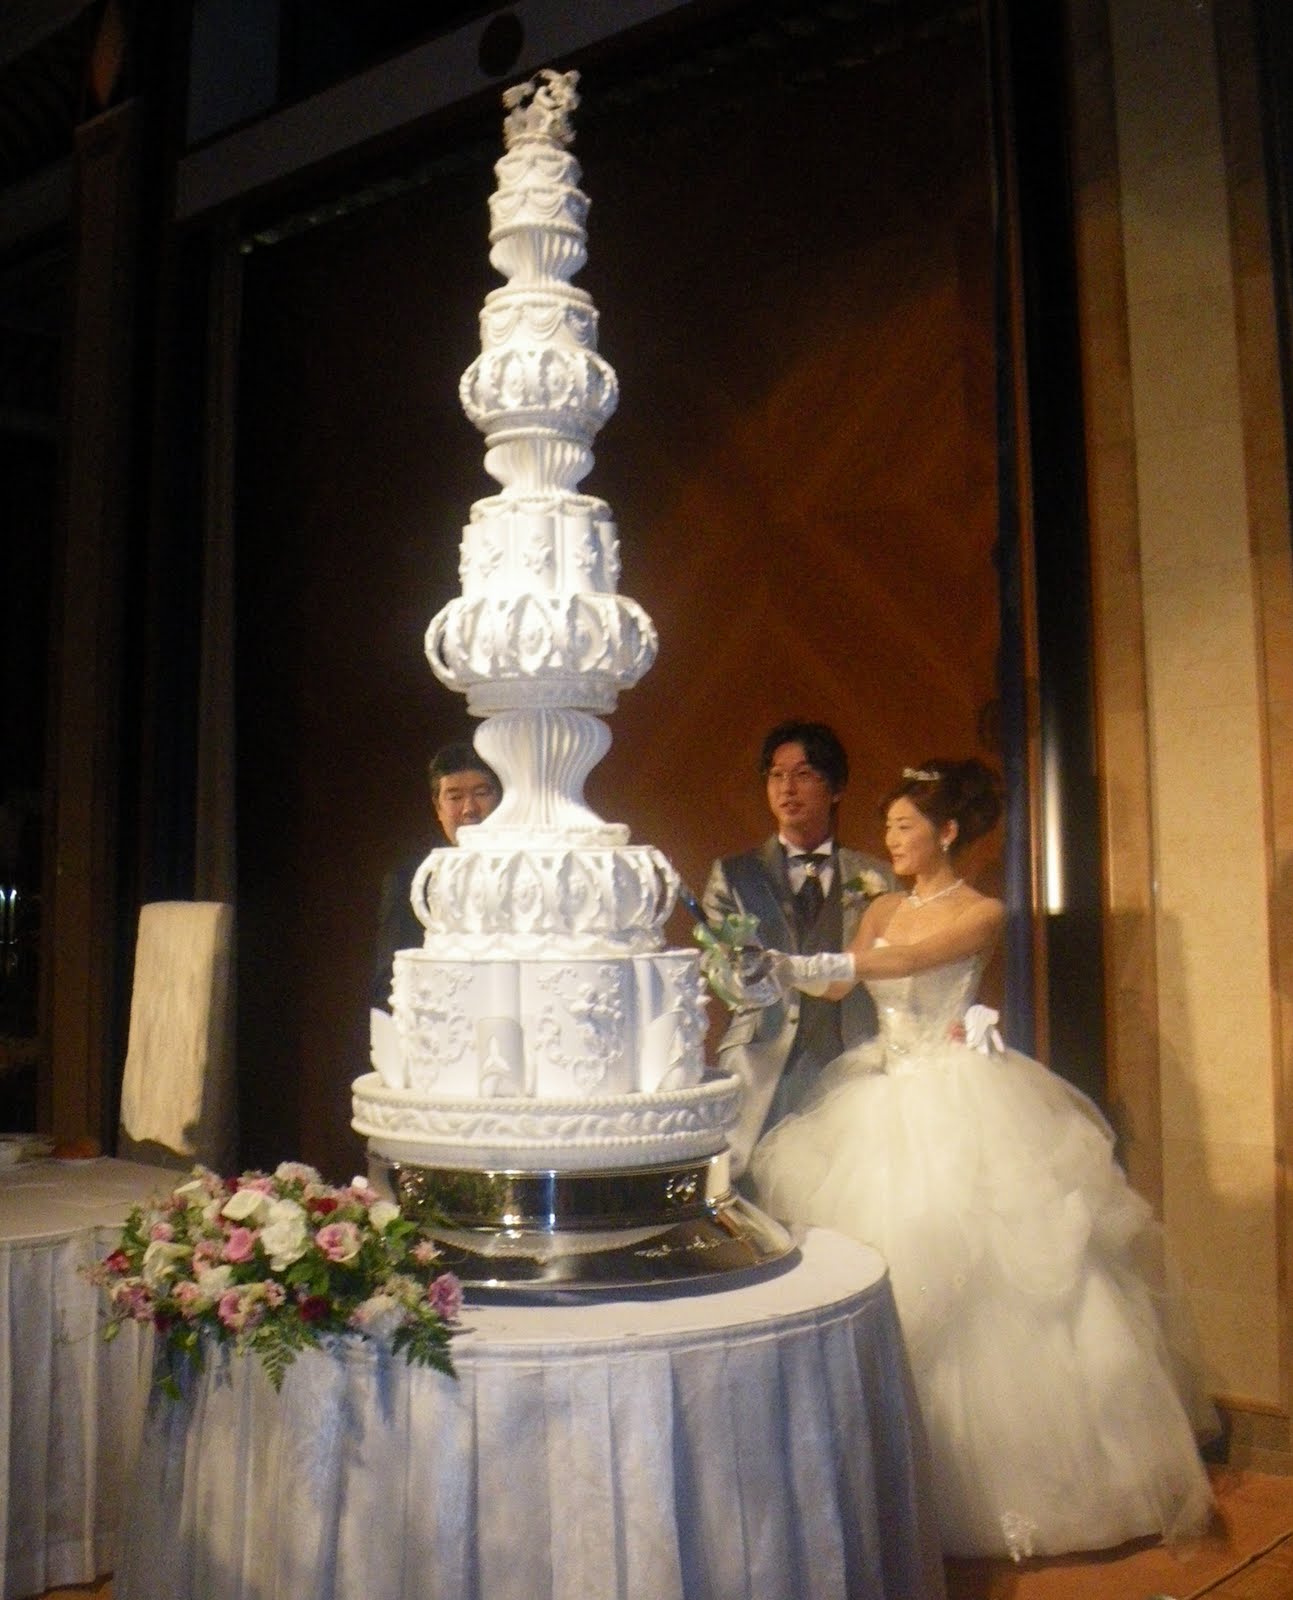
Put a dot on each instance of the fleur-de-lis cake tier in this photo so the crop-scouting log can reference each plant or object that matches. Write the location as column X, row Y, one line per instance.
column 542, row 1025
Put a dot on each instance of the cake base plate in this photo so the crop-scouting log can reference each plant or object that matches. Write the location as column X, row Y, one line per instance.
column 548, row 1232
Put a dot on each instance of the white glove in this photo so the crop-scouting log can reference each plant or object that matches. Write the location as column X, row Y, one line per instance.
column 815, row 974
column 981, row 1032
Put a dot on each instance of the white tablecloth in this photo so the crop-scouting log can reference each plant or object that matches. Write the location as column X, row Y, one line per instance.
column 758, row 1442
column 69, row 1403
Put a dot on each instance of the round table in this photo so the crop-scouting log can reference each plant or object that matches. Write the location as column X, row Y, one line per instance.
column 70, row 1403
column 757, row 1439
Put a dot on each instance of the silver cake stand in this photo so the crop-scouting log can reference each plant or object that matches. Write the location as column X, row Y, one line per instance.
column 611, row 1229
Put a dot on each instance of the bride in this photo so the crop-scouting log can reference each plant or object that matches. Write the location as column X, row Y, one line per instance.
column 1054, row 1370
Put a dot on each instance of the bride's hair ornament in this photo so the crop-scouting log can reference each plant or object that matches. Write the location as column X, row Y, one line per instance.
column 965, row 792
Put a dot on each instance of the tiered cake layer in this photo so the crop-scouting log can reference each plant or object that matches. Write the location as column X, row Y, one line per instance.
column 554, row 1029
column 543, row 900
column 587, row 1134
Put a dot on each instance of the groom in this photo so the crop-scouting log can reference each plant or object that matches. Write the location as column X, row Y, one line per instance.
column 808, row 894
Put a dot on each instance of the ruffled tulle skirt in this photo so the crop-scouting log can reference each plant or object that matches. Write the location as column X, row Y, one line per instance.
column 1057, row 1376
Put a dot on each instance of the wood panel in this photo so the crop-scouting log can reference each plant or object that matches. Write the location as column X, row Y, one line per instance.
column 796, row 292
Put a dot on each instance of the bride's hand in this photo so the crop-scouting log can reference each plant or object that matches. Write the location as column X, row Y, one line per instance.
column 817, row 975
column 742, row 976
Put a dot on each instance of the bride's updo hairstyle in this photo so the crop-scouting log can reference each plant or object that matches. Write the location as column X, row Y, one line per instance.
column 965, row 792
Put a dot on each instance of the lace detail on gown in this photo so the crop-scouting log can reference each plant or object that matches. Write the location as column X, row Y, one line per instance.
column 1019, row 1532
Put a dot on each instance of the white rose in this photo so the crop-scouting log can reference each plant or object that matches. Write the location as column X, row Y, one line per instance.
column 378, row 1316
column 285, row 1234
column 296, row 1172
column 382, row 1213
column 213, row 1281
column 245, row 1205
column 161, row 1259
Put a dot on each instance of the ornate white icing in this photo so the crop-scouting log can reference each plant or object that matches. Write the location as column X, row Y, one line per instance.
column 573, row 902
column 537, row 543
column 525, row 1134
column 541, row 1021
column 537, row 649
column 538, row 623
column 552, row 1028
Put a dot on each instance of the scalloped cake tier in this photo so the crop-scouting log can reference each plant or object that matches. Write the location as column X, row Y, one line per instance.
column 579, row 901
column 539, row 1135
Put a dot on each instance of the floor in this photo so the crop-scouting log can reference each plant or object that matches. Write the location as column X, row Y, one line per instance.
column 1247, row 1556
column 1267, row 1576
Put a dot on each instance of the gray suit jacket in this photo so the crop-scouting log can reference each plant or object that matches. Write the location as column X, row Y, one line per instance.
column 760, row 1042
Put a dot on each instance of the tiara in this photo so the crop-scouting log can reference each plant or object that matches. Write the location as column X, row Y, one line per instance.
column 920, row 775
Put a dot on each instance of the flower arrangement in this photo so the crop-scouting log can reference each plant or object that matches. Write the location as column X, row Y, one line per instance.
column 272, row 1264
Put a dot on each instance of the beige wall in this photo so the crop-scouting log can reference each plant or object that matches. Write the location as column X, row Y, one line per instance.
column 1192, row 591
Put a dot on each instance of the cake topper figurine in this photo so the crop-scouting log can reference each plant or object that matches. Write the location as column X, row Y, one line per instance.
column 540, row 108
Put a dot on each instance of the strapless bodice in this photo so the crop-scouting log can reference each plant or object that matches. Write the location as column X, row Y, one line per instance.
column 917, row 1013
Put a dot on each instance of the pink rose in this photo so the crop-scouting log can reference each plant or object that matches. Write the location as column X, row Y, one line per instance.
column 161, row 1230
column 133, row 1299
column 339, row 1241
column 239, row 1245
column 229, row 1309
column 445, row 1295
column 239, row 1311
column 187, row 1296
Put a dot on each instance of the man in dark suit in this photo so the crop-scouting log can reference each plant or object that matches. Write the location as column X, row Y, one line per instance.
column 808, row 894
column 464, row 790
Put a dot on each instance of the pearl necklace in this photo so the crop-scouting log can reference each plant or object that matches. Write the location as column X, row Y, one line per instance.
column 919, row 900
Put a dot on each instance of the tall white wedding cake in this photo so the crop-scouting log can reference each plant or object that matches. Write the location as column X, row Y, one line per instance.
column 542, row 1028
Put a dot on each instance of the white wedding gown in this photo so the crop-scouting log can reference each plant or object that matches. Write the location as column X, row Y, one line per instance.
column 1055, row 1374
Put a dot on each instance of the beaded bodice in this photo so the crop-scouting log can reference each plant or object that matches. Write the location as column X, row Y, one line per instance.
column 917, row 1013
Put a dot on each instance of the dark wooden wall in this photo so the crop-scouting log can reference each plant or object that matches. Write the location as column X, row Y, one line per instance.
column 796, row 291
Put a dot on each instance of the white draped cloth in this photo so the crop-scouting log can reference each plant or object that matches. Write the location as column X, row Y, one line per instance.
column 750, row 1443
column 177, row 1088
column 70, row 1404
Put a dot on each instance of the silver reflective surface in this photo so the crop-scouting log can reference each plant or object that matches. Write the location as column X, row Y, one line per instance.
column 545, row 1231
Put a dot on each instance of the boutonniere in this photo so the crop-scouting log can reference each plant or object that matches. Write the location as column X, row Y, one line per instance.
column 866, row 885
